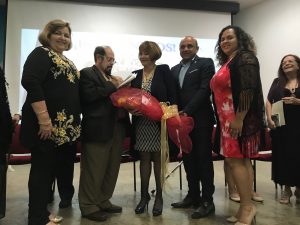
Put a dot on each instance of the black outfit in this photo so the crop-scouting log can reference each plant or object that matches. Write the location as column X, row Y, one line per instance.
column 146, row 133
column 195, row 101
column 6, row 128
column 53, row 78
column 285, row 139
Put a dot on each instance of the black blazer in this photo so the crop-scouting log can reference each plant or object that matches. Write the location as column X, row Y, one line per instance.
column 163, row 86
column 194, row 96
column 99, row 115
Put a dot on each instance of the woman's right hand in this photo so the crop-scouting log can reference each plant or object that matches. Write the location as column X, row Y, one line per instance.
column 45, row 130
column 271, row 124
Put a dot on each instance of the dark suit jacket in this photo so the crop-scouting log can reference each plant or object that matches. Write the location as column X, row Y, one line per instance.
column 194, row 96
column 99, row 115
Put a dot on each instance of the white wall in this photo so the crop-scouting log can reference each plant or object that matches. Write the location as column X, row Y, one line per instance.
column 275, row 27
column 97, row 18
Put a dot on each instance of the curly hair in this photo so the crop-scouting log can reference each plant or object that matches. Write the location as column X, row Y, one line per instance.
column 281, row 75
column 50, row 28
column 245, row 43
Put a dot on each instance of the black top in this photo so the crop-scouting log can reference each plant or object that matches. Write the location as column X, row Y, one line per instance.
column 55, row 79
column 291, row 112
column 245, row 82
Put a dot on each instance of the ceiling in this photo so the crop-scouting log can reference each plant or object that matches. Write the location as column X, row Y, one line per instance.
column 244, row 4
column 227, row 5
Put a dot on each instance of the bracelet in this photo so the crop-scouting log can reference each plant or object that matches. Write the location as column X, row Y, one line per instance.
column 41, row 112
column 45, row 123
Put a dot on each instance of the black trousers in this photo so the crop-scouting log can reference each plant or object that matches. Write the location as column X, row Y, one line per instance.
column 198, row 166
column 46, row 160
column 3, row 169
column 64, row 173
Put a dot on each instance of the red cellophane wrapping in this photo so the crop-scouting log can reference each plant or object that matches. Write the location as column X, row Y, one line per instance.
column 178, row 127
column 137, row 99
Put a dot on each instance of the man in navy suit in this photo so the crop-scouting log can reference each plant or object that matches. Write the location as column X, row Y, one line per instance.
column 103, row 132
column 193, row 74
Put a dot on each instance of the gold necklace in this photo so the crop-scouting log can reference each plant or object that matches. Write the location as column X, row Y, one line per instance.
column 148, row 76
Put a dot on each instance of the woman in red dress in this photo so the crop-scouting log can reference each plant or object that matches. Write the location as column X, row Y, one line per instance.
column 239, row 107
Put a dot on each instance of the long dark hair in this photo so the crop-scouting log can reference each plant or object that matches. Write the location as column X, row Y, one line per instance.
column 245, row 42
column 281, row 75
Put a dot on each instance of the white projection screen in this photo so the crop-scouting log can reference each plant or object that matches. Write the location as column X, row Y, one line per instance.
column 122, row 28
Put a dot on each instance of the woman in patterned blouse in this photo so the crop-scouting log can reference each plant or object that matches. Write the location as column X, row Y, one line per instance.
column 51, row 119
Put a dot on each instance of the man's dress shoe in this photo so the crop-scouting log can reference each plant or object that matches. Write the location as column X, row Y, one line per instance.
column 204, row 210
column 113, row 209
column 187, row 202
column 96, row 216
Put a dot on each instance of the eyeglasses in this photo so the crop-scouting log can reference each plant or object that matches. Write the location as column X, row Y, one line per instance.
column 109, row 59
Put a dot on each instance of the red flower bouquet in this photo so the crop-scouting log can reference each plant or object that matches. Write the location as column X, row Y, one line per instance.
column 137, row 99
column 178, row 127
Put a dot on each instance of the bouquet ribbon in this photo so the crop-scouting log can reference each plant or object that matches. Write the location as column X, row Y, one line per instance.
column 172, row 124
column 168, row 112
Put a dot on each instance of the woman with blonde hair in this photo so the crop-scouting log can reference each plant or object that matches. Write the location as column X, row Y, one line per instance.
column 50, row 118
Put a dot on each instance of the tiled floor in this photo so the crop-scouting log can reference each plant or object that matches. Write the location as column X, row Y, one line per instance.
column 269, row 213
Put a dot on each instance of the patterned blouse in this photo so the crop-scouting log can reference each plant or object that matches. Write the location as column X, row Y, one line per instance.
column 54, row 78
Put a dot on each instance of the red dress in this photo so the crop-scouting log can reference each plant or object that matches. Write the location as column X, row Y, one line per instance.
column 221, row 86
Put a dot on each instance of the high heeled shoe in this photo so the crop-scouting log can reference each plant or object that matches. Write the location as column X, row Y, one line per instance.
column 143, row 204
column 250, row 219
column 239, row 223
column 231, row 219
column 285, row 197
column 157, row 207
column 235, row 197
column 55, row 218
column 256, row 197
column 52, row 223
